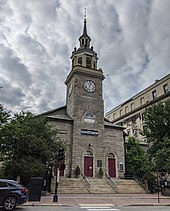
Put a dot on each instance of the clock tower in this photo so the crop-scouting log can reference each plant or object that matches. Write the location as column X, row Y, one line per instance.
column 84, row 104
column 92, row 142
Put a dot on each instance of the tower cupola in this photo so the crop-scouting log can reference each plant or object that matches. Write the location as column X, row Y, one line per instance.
column 84, row 38
column 84, row 56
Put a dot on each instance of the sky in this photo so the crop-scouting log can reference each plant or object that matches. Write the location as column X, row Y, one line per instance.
column 37, row 37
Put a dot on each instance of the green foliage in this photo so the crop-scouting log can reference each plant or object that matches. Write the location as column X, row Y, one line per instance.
column 4, row 115
column 27, row 145
column 137, row 161
column 77, row 171
column 157, row 120
column 101, row 172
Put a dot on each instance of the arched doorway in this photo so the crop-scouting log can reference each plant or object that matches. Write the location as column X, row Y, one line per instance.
column 111, row 165
column 88, row 164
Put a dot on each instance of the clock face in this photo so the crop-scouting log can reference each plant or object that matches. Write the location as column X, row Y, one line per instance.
column 89, row 86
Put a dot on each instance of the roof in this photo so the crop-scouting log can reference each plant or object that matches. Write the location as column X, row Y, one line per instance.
column 107, row 123
column 62, row 117
column 54, row 110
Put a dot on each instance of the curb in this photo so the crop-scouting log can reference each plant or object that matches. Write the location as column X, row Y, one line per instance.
column 129, row 205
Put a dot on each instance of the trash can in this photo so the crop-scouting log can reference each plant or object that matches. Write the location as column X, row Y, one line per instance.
column 35, row 188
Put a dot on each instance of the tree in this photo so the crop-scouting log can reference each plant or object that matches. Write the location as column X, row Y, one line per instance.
column 4, row 115
column 137, row 161
column 27, row 145
column 157, row 120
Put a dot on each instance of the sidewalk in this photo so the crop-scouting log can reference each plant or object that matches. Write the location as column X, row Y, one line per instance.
column 104, row 199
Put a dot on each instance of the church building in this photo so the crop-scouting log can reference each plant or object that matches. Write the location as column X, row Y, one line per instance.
column 92, row 141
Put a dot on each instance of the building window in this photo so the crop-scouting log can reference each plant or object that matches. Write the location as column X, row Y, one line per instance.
column 121, row 167
column 143, row 116
column 135, row 133
column 94, row 65
column 82, row 41
column 166, row 88
column 154, row 94
column 142, row 100
column 121, row 112
column 132, row 106
column 126, row 109
column 88, row 62
column 80, row 61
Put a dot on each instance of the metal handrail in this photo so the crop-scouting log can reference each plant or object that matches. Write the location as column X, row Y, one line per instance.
column 86, row 182
column 136, row 179
column 139, row 181
column 110, row 181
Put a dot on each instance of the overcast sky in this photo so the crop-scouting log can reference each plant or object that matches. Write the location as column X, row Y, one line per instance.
column 37, row 37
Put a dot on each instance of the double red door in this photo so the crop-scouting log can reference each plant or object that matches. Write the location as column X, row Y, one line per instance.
column 112, row 167
column 88, row 166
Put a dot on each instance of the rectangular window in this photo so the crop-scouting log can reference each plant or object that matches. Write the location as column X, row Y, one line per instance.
column 80, row 61
column 88, row 62
column 143, row 116
column 142, row 100
column 121, row 167
column 126, row 109
column 135, row 133
column 99, row 163
column 132, row 106
column 154, row 94
column 166, row 88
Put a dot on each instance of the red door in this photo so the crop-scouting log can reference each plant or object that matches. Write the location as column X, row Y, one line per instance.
column 112, row 167
column 88, row 166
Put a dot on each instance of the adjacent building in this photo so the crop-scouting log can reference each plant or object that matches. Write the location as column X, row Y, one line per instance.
column 130, row 113
column 92, row 142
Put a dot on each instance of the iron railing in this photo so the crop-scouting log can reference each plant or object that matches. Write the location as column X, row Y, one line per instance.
column 136, row 179
column 111, row 182
column 86, row 182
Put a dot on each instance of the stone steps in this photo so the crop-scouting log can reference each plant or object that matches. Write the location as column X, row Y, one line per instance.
column 71, row 185
column 100, row 186
column 128, row 186
column 76, row 186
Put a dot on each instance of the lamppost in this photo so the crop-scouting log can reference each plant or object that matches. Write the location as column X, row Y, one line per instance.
column 58, row 160
column 158, row 186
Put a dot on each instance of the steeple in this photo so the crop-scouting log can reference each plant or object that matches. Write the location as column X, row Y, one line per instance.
column 84, row 38
column 85, row 28
column 85, row 55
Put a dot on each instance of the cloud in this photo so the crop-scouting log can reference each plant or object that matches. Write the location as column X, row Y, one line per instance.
column 130, row 37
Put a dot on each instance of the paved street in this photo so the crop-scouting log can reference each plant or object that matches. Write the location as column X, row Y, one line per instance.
column 99, row 202
column 115, row 199
column 96, row 208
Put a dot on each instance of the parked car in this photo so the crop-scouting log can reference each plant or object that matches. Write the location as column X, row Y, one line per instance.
column 12, row 194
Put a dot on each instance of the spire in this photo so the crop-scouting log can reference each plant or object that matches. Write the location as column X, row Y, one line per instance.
column 84, row 38
column 85, row 28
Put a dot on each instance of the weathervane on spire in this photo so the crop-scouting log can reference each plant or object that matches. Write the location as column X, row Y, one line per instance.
column 85, row 13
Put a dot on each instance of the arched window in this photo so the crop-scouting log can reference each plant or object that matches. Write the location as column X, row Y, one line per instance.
column 111, row 155
column 88, row 153
column 89, row 115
